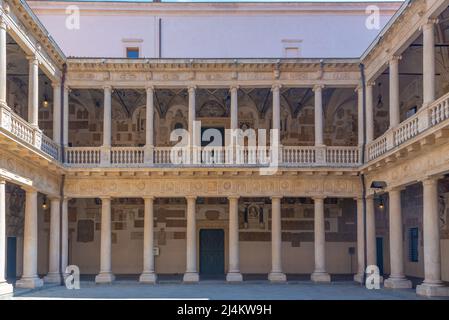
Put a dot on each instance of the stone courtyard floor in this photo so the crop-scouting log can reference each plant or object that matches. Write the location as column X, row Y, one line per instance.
column 219, row 290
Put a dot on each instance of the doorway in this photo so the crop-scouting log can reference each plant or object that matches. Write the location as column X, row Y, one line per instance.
column 212, row 252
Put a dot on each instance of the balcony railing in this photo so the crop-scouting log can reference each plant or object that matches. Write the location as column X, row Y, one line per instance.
column 291, row 156
column 285, row 156
column 18, row 127
column 425, row 118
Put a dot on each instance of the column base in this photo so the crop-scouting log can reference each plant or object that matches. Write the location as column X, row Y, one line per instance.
column 398, row 283
column 104, row 277
column 277, row 277
column 148, row 277
column 432, row 290
column 53, row 277
column 358, row 277
column 320, row 277
column 6, row 288
column 30, row 283
column 234, row 277
column 191, row 277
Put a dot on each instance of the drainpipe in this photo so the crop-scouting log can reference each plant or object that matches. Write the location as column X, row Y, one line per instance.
column 62, row 158
column 362, row 176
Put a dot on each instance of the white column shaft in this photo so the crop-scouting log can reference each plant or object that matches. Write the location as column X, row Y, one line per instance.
column 370, row 232
column 107, row 118
column 105, row 251
column 148, row 237
column 431, row 233
column 192, row 115
column 33, row 91
column 64, row 235
column 276, row 107
column 394, row 92
column 319, row 242
column 428, row 63
column 360, row 238
column 360, row 127
column 30, row 236
column 396, row 245
column 234, row 108
column 276, row 236
column 369, row 114
column 53, row 251
column 191, row 235
column 3, row 65
column 149, row 130
column 234, row 258
column 57, row 113
column 318, row 116
column 65, row 141
column 2, row 231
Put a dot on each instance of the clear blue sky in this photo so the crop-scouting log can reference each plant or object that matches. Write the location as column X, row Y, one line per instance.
column 249, row 0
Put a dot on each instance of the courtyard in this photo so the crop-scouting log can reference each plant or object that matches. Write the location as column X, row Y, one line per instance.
column 219, row 290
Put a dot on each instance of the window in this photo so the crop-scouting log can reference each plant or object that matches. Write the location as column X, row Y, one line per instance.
column 291, row 48
column 413, row 240
column 132, row 53
column 411, row 111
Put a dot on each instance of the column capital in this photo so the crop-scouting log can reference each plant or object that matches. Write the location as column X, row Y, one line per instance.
column 149, row 89
column 370, row 83
column 359, row 88
column 191, row 197
column 395, row 58
column 276, row 197
column 191, row 88
column 2, row 21
column 317, row 87
column 103, row 198
column 233, row 197
column 276, row 86
column 53, row 198
column 29, row 189
column 430, row 180
column 56, row 84
column 148, row 198
column 358, row 198
column 107, row 87
column 2, row 181
column 429, row 23
column 395, row 188
column 234, row 87
column 319, row 197
column 32, row 58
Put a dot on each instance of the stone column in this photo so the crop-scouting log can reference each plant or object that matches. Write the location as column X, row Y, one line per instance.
column 105, row 275
column 320, row 274
column 360, row 242
column 397, row 278
column 371, row 256
column 369, row 112
column 149, row 128
column 30, row 278
column 56, row 112
column 192, row 114
column 394, row 92
column 360, row 128
column 65, row 141
column 276, row 274
column 33, row 91
column 64, row 236
column 432, row 285
column 429, row 62
column 3, row 66
column 5, row 288
column 54, row 274
column 148, row 275
column 107, row 127
column 191, row 274
column 234, row 274
column 318, row 89
column 276, row 106
column 232, row 140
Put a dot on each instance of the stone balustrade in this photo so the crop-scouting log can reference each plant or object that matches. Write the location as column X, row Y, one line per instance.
column 14, row 125
column 427, row 117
